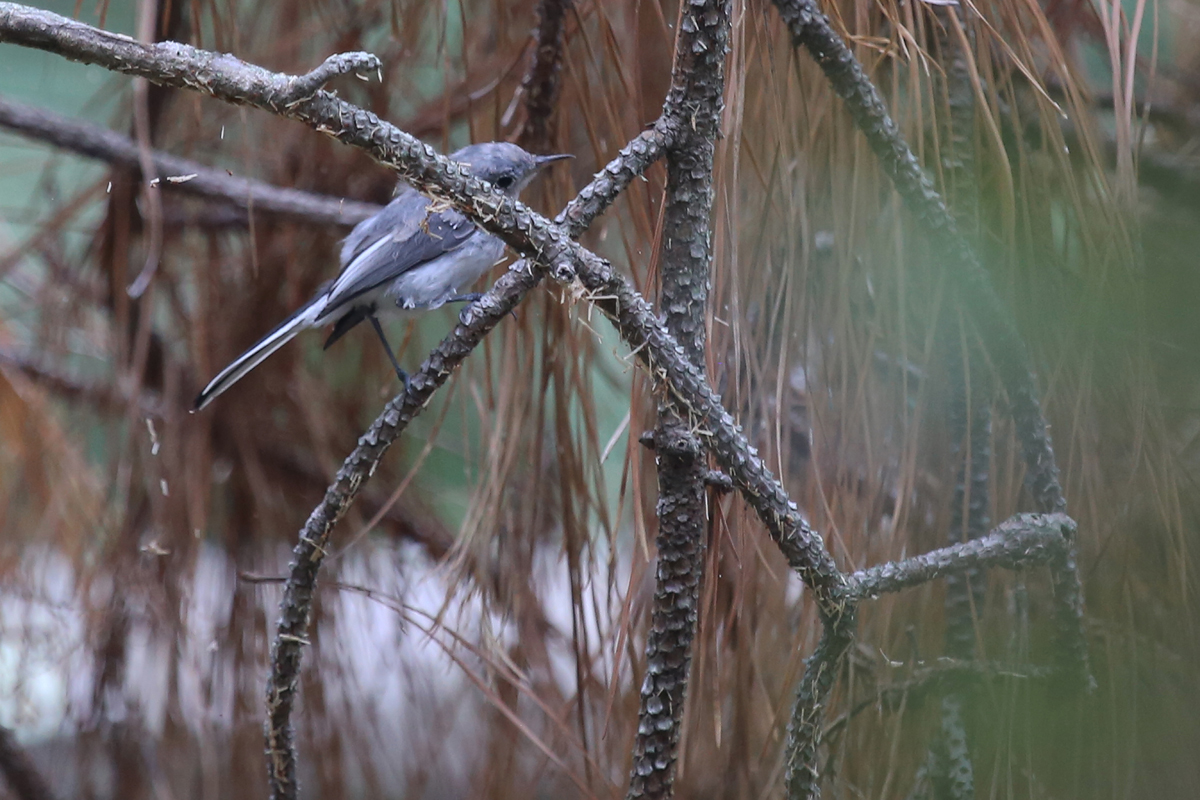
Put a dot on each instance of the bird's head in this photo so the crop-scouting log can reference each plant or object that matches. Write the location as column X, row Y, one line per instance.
column 506, row 166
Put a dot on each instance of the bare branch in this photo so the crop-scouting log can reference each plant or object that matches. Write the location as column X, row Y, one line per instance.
column 1021, row 541
column 180, row 174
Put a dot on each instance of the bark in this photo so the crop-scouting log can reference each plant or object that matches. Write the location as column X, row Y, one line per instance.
column 694, row 102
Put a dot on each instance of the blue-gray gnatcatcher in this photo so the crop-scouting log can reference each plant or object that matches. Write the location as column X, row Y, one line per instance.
column 406, row 258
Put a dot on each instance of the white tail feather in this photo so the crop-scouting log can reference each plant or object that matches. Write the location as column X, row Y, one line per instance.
column 258, row 353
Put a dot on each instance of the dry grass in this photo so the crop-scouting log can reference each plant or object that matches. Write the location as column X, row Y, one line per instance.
column 483, row 637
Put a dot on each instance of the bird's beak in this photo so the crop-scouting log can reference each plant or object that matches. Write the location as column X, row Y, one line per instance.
column 542, row 161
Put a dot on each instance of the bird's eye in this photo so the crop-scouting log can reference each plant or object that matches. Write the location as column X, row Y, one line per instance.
column 505, row 181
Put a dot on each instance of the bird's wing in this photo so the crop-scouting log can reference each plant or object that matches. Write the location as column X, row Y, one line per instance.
column 406, row 234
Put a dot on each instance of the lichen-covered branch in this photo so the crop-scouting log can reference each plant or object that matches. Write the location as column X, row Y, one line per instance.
column 694, row 102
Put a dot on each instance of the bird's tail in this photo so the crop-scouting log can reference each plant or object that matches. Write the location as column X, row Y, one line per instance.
column 281, row 335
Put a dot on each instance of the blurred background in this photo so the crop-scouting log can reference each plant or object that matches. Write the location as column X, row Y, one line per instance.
column 481, row 622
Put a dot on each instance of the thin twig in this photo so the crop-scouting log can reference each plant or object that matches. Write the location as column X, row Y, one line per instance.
column 180, row 174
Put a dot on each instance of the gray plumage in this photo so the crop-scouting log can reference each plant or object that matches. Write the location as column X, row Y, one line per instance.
column 406, row 258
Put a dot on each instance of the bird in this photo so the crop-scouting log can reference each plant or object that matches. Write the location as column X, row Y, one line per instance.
column 411, row 256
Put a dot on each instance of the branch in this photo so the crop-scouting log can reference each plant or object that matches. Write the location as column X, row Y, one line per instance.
column 1018, row 542
column 180, row 174
column 541, row 82
column 802, row 778
column 694, row 102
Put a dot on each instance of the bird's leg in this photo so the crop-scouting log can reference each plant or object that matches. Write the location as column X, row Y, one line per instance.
column 387, row 348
